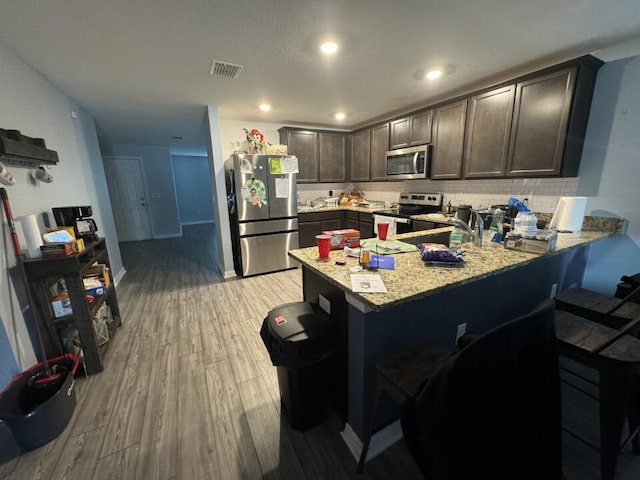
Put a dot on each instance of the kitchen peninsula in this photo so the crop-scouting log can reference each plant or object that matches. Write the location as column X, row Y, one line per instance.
column 428, row 303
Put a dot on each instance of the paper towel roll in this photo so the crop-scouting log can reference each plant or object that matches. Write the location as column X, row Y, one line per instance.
column 569, row 214
column 31, row 237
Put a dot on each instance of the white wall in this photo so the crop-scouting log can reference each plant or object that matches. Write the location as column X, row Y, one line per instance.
column 233, row 137
column 610, row 171
column 36, row 108
column 193, row 189
column 158, row 173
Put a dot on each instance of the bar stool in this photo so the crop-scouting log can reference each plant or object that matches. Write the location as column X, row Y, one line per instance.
column 488, row 410
column 596, row 331
column 401, row 375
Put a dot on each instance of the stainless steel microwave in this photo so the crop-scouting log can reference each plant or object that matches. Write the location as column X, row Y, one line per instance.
column 408, row 163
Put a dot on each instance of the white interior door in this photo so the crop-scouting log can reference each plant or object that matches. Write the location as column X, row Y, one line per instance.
column 128, row 197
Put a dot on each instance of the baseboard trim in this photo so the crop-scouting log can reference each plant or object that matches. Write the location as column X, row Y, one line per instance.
column 121, row 273
column 167, row 235
column 229, row 274
column 380, row 441
column 197, row 222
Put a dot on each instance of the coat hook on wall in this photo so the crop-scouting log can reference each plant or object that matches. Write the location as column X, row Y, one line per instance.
column 42, row 175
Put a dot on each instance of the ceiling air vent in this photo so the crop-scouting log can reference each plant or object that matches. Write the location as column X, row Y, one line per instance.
column 225, row 69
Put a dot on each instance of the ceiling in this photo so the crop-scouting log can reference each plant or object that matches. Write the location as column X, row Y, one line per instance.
column 142, row 67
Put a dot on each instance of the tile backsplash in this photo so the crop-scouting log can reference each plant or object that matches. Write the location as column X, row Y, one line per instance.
column 542, row 193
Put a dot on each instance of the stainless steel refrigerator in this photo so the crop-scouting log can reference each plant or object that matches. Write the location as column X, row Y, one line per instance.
column 262, row 211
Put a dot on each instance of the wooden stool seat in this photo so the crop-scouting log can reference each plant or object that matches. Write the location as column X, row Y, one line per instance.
column 580, row 336
column 595, row 306
column 601, row 332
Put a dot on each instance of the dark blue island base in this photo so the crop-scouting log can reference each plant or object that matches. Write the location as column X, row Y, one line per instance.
column 363, row 334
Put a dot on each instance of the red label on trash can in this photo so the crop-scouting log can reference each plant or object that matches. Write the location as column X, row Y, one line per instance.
column 280, row 320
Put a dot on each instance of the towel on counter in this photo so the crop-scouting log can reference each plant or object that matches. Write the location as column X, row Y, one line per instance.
column 387, row 247
column 392, row 221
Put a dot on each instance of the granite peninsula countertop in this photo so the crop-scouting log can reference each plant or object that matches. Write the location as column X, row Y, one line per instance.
column 412, row 280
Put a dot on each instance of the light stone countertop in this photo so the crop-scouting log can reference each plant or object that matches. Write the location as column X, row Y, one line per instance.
column 590, row 222
column 345, row 208
column 412, row 280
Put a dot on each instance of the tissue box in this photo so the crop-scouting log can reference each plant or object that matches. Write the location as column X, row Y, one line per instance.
column 61, row 306
column 542, row 241
column 95, row 292
column 349, row 237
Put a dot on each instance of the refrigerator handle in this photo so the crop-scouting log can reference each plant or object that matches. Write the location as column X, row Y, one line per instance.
column 232, row 181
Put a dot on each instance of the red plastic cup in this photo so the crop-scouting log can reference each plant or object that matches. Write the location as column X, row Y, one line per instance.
column 383, row 228
column 324, row 245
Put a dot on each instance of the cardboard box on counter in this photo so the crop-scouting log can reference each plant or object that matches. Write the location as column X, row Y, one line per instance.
column 276, row 150
column 349, row 237
column 543, row 241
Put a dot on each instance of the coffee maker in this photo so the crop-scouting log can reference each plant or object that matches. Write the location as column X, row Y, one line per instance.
column 79, row 218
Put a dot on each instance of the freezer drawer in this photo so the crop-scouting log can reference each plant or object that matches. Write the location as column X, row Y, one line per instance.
column 268, row 226
column 267, row 253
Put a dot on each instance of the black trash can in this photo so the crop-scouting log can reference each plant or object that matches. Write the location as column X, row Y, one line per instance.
column 9, row 447
column 298, row 337
column 37, row 408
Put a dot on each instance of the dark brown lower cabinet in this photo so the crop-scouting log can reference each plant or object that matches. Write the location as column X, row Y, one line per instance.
column 365, row 225
column 313, row 223
column 417, row 225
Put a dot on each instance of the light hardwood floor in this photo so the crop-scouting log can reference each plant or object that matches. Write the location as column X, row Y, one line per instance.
column 188, row 391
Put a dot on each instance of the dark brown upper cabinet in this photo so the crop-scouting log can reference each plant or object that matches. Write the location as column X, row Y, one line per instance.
column 304, row 145
column 400, row 133
column 332, row 148
column 321, row 154
column 530, row 126
column 487, row 136
column 448, row 140
column 412, row 130
column 541, row 117
column 421, row 128
column 360, row 155
column 379, row 148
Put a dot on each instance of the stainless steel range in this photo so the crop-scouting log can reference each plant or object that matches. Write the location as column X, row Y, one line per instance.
column 409, row 204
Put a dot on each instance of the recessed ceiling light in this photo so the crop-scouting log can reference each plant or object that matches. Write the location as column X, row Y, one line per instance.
column 340, row 116
column 265, row 108
column 329, row 48
column 433, row 74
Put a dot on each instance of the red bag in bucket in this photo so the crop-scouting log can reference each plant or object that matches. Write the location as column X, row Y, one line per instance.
column 37, row 405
